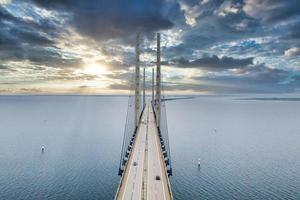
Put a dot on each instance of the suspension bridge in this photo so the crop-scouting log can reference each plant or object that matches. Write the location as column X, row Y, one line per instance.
column 145, row 163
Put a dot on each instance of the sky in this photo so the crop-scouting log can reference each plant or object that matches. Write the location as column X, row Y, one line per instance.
column 208, row 46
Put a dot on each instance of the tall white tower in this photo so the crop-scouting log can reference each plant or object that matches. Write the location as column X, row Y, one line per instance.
column 137, row 82
column 144, row 88
column 158, row 86
column 152, row 86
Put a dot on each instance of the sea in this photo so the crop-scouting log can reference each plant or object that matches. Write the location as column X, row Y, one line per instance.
column 248, row 146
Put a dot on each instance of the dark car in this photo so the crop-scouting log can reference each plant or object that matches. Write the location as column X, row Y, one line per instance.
column 134, row 163
column 157, row 178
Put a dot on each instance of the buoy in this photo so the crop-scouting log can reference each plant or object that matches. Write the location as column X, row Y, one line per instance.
column 43, row 148
column 199, row 162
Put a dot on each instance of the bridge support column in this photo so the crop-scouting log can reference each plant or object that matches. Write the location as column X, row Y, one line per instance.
column 144, row 88
column 137, row 82
column 158, row 86
column 152, row 86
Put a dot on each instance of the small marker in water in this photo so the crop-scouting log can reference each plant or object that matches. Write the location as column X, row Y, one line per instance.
column 43, row 148
column 199, row 162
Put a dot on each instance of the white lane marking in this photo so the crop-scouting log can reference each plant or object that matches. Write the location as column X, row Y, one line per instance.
column 142, row 163
column 148, row 161
column 146, row 153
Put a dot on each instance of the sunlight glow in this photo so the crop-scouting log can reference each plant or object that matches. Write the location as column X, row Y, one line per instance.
column 95, row 69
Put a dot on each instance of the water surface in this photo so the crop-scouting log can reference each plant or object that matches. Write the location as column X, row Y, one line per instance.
column 248, row 149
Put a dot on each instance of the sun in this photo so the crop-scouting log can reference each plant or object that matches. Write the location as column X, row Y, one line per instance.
column 94, row 69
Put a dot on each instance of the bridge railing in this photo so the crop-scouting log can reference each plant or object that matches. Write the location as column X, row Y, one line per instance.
column 130, row 126
column 164, row 134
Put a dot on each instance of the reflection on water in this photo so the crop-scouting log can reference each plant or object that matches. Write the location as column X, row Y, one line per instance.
column 247, row 149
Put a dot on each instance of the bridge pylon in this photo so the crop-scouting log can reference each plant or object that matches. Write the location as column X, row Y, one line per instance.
column 144, row 87
column 137, row 82
column 158, row 84
column 152, row 100
column 145, row 164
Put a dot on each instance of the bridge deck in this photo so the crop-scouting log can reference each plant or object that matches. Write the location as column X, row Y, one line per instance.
column 139, row 180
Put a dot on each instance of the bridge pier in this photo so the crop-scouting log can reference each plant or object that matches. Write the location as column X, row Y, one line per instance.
column 137, row 82
column 158, row 86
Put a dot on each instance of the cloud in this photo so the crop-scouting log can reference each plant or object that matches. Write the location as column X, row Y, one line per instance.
column 16, row 30
column 272, row 10
column 252, row 79
column 212, row 63
column 39, row 56
column 294, row 51
column 191, row 13
column 295, row 32
column 227, row 8
column 34, row 39
column 118, row 86
column 115, row 65
column 208, row 45
column 213, row 28
column 5, row 2
column 3, row 67
column 255, row 78
column 102, row 19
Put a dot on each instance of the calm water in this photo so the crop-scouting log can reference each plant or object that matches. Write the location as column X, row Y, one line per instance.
column 248, row 149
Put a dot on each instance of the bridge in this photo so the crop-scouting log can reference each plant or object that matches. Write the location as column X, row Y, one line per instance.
column 145, row 163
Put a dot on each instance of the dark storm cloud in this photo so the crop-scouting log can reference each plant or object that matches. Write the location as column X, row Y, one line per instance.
column 238, row 23
column 293, row 33
column 102, row 19
column 15, row 30
column 3, row 67
column 295, row 30
column 257, row 79
column 219, row 22
column 212, row 63
column 252, row 79
column 39, row 56
column 226, row 21
column 32, row 40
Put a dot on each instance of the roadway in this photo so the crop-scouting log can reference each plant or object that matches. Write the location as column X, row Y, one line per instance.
column 144, row 164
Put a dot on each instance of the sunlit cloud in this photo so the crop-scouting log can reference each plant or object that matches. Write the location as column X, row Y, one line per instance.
column 3, row 2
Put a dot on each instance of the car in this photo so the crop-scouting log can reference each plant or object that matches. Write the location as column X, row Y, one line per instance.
column 134, row 163
column 157, row 178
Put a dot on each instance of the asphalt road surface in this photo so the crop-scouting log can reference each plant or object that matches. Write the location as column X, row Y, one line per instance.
column 145, row 163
